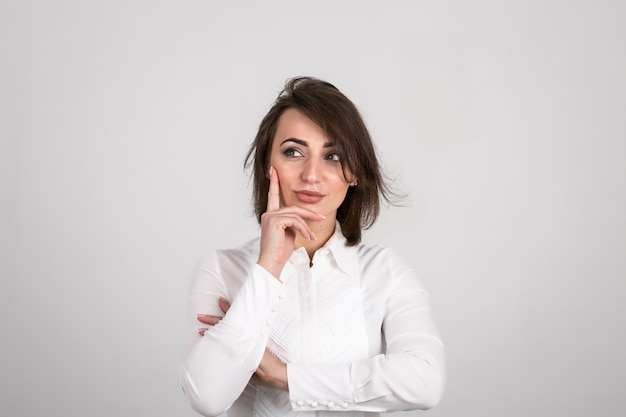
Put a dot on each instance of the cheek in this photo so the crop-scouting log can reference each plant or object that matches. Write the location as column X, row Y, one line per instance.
column 340, row 180
column 341, row 189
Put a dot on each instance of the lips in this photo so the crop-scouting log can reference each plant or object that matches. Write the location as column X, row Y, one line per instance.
column 309, row 196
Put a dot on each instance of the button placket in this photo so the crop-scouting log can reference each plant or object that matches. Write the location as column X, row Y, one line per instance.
column 272, row 314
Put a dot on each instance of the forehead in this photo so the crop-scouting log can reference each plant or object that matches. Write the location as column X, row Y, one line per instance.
column 294, row 124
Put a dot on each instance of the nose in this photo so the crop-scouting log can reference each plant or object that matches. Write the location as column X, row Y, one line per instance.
column 311, row 171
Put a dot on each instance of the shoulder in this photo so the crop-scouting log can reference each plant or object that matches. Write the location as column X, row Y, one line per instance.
column 386, row 269
column 382, row 257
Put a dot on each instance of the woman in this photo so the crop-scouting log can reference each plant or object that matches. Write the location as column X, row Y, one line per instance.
column 306, row 317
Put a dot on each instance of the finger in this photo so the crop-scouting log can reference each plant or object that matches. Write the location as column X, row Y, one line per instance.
column 224, row 305
column 202, row 331
column 293, row 217
column 273, row 196
column 300, row 211
column 297, row 223
column 206, row 319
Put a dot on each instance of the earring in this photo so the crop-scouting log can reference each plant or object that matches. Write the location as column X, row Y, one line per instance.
column 354, row 183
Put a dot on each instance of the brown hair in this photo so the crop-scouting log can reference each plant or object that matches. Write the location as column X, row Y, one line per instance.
column 324, row 104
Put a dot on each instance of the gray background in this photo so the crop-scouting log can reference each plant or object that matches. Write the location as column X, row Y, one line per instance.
column 123, row 126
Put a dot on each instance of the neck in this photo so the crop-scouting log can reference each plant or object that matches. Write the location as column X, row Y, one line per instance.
column 323, row 230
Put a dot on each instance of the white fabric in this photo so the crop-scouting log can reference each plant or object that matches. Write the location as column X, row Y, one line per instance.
column 355, row 330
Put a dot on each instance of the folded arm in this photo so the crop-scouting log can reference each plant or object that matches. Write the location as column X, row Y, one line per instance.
column 409, row 375
column 220, row 364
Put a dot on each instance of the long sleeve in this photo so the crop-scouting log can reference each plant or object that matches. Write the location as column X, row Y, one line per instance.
column 353, row 325
column 408, row 375
column 219, row 365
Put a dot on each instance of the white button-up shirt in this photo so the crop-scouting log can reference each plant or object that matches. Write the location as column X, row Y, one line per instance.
column 355, row 330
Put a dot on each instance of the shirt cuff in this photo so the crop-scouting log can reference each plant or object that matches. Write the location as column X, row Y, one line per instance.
column 320, row 387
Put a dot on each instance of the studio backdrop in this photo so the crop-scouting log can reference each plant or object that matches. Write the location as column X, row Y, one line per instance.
column 123, row 131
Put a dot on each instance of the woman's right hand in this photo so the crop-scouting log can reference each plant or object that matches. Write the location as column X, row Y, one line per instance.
column 279, row 226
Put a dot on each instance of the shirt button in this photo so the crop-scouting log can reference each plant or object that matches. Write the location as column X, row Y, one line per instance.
column 299, row 403
column 344, row 405
column 330, row 404
column 313, row 404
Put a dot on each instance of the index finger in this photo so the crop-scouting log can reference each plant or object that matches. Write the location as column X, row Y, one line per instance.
column 273, row 196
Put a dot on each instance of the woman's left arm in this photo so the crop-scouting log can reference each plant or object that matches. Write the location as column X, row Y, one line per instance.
column 409, row 375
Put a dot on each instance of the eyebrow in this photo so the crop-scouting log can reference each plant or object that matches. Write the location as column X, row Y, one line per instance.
column 304, row 142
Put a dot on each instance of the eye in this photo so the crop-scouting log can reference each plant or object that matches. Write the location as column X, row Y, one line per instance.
column 292, row 153
column 333, row 157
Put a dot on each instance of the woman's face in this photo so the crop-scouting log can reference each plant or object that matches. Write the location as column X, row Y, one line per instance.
column 309, row 169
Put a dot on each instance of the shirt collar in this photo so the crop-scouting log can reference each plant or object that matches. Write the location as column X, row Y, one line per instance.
column 345, row 256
